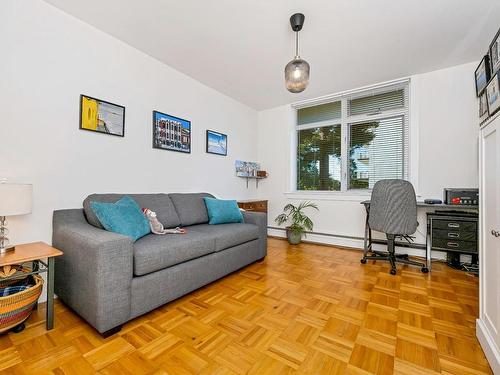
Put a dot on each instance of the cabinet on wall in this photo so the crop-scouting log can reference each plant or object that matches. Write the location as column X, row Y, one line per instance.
column 488, row 324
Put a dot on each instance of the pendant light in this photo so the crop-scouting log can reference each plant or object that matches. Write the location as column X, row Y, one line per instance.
column 297, row 70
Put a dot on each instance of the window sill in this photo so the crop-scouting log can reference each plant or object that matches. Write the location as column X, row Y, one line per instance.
column 357, row 197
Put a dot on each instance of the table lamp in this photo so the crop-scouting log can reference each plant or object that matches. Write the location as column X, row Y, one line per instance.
column 15, row 199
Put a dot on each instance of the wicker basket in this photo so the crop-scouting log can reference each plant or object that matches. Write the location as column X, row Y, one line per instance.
column 16, row 308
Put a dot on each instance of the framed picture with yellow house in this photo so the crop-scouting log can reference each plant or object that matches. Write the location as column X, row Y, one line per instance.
column 101, row 116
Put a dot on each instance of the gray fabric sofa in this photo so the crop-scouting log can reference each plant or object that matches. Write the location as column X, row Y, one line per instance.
column 108, row 279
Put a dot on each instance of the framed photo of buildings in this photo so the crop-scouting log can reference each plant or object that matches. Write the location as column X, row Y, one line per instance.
column 171, row 133
column 101, row 116
column 482, row 75
column 216, row 143
column 495, row 54
column 493, row 94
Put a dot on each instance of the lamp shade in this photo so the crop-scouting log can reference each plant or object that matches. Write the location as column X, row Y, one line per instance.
column 15, row 199
column 297, row 75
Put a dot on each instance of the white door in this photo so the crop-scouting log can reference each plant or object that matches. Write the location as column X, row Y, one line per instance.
column 490, row 233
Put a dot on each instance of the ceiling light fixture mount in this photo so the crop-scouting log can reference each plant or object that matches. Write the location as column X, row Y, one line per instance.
column 297, row 71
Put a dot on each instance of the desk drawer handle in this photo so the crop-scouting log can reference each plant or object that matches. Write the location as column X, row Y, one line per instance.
column 495, row 233
column 453, row 225
column 453, row 234
column 452, row 244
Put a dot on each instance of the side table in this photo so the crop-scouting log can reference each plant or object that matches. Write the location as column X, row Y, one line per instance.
column 34, row 253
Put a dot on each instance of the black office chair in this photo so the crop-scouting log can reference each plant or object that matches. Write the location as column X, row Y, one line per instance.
column 393, row 211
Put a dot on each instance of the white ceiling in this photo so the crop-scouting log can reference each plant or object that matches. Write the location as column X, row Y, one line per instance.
column 240, row 48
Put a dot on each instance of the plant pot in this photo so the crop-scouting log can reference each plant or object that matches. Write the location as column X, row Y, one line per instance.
column 294, row 238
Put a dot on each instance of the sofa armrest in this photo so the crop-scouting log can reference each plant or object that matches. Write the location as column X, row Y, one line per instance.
column 95, row 273
column 259, row 219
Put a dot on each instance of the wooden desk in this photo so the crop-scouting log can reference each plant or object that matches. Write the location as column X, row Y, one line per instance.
column 34, row 253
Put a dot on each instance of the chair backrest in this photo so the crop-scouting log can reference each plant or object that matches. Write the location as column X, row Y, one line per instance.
column 393, row 207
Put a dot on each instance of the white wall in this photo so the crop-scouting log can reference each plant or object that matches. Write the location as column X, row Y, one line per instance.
column 48, row 59
column 444, row 129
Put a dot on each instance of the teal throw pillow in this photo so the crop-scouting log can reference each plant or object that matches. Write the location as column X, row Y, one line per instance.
column 223, row 211
column 124, row 217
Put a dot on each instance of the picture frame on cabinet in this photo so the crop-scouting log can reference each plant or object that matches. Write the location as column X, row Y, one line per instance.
column 494, row 52
column 493, row 94
column 482, row 75
column 483, row 107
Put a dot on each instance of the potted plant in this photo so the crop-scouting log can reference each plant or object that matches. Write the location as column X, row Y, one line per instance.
column 299, row 222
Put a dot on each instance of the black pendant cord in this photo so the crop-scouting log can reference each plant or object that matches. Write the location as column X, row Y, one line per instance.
column 297, row 45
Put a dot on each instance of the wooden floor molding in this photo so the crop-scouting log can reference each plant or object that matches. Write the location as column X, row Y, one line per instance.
column 306, row 309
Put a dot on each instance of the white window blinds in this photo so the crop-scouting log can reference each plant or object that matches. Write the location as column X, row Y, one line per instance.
column 318, row 113
column 375, row 152
column 376, row 103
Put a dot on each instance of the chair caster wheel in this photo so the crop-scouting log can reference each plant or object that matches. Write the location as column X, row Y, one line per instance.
column 18, row 328
column 392, row 271
column 424, row 270
column 363, row 261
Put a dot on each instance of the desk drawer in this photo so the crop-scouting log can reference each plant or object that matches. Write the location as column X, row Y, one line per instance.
column 455, row 225
column 455, row 245
column 448, row 234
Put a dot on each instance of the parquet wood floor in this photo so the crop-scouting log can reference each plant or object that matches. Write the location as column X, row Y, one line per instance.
column 307, row 309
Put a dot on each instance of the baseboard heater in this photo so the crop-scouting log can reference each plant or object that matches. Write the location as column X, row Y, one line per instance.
column 374, row 241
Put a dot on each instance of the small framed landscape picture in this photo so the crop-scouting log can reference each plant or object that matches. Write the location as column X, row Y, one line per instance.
column 171, row 133
column 482, row 75
column 483, row 106
column 495, row 54
column 216, row 143
column 492, row 94
column 101, row 116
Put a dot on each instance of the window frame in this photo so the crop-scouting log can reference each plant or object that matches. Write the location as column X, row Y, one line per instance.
column 344, row 121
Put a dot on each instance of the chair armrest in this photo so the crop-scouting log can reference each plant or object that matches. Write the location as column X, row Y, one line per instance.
column 95, row 273
column 259, row 219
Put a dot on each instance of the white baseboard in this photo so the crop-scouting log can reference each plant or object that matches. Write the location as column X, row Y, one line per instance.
column 489, row 348
column 354, row 243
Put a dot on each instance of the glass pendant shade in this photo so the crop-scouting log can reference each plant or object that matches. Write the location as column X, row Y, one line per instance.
column 297, row 75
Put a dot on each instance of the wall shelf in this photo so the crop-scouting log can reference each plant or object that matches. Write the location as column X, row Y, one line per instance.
column 256, row 178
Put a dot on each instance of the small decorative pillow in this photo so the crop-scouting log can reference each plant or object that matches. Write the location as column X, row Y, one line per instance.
column 223, row 211
column 124, row 217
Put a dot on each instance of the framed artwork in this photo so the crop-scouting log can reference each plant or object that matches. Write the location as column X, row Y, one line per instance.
column 101, row 116
column 482, row 75
column 483, row 106
column 171, row 133
column 216, row 143
column 492, row 94
column 495, row 53
column 246, row 168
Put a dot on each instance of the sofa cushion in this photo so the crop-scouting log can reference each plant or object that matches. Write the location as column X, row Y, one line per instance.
column 124, row 217
column 227, row 235
column 155, row 252
column 160, row 203
column 222, row 211
column 191, row 207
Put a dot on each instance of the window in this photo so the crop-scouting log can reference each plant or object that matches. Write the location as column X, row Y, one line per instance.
column 353, row 141
column 319, row 158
